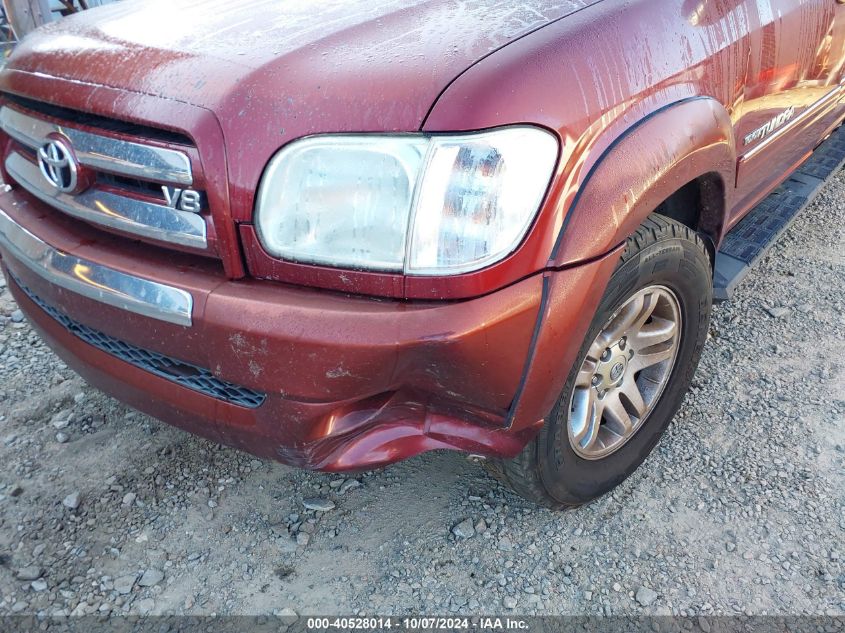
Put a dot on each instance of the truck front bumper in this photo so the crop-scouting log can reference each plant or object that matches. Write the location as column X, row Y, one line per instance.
column 311, row 378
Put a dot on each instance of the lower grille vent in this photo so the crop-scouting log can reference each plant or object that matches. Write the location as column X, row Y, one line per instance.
column 188, row 375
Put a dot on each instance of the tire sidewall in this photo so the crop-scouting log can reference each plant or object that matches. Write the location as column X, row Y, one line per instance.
column 683, row 267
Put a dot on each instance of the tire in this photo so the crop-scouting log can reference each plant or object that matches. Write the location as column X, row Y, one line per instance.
column 661, row 254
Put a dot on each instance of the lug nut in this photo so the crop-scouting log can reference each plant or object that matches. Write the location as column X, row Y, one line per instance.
column 607, row 354
column 623, row 342
column 596, row 380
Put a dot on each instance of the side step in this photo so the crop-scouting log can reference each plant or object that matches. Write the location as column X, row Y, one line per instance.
column 758, row 231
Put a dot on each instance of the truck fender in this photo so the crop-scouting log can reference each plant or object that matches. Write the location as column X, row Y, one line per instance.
column 642, row 168
column 637, row 172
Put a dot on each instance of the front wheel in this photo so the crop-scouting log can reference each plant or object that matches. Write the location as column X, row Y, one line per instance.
column 633, row 369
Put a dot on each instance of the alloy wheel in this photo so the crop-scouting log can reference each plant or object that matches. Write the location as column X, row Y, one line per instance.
column 624, row 373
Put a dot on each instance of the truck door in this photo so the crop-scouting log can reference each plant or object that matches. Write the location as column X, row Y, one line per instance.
column 837, row 45
column 791, row 91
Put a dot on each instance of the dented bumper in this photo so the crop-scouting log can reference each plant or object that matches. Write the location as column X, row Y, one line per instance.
column 332, row 381
column 347, row 382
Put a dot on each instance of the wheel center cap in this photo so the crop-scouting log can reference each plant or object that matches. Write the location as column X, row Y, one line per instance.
column 617, row 371
column 611, row 373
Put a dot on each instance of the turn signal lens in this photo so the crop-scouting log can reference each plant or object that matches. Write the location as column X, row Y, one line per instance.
column 479, row 197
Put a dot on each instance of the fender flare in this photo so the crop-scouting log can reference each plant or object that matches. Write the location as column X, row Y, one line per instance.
column 643, row 167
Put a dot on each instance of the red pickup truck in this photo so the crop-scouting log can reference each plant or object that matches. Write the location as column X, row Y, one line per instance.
column 340, row 234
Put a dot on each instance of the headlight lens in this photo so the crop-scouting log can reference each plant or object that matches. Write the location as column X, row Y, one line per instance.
column 425, row 205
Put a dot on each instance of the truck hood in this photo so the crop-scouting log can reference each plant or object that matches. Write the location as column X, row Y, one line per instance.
column 380, row 63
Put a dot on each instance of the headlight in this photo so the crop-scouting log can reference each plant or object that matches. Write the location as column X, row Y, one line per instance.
column 425, row 205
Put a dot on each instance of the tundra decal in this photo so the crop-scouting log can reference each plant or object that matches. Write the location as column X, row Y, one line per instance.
column 776, row 123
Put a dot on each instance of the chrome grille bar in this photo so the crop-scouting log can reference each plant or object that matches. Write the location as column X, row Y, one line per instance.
column 92, row 280
column 102, row 152
column 121, row 213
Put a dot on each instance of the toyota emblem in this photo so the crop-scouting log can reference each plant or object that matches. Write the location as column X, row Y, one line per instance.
column 58, row 165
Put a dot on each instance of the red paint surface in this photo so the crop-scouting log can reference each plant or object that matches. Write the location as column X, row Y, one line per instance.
column 364, row 368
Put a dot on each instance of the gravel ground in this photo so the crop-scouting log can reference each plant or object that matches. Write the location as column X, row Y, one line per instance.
column 739, row 510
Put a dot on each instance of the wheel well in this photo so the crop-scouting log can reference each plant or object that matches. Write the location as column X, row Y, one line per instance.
column 700, row 205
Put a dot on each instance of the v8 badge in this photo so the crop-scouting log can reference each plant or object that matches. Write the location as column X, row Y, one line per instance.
column 182, row 199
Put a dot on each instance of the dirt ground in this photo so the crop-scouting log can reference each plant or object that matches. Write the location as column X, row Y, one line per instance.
column 741, row 509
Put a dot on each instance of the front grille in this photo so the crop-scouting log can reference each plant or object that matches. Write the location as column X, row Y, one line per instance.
column 92, row 120
column 185, row 374
column 136, row 188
